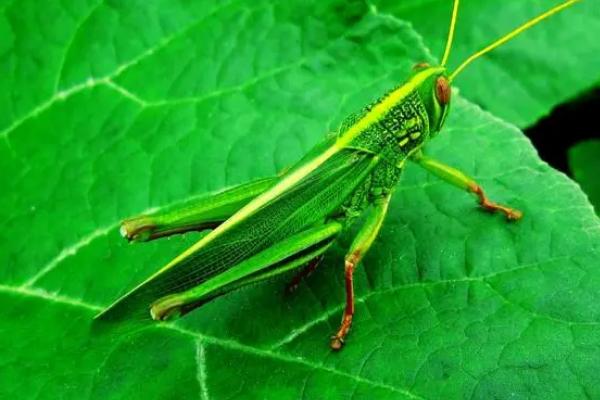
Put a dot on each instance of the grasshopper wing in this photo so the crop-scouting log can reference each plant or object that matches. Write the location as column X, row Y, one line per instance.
column 305, row 197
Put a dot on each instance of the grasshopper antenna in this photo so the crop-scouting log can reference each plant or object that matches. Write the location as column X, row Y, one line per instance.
column 509, row 35
column 450, row 33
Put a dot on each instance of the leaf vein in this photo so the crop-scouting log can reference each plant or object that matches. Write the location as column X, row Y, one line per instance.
column 225, row 343
column 91, row 82
column 201, row 369
column 78, row 27
column 68, row 252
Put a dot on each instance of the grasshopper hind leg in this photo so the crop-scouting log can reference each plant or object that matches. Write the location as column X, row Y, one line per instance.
column 196, row 214
column 283, row 257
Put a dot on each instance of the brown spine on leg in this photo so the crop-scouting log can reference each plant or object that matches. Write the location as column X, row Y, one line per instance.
column 510, row 213
column 337, row 341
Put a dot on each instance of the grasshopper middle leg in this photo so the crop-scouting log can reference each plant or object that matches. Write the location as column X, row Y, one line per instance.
column 359, row 247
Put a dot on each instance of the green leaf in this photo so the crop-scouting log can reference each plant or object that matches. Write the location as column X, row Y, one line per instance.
column 584, row 163
column 523, row 80
column 113, row 108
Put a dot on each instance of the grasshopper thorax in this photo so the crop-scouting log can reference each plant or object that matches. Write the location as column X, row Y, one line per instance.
column 401, row 121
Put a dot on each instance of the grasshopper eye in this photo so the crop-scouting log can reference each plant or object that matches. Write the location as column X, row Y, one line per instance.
column 442, row 90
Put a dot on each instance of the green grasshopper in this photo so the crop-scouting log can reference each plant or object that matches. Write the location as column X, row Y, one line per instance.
column 271, row 226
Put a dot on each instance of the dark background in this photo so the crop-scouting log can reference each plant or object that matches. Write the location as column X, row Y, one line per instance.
column 566, row 125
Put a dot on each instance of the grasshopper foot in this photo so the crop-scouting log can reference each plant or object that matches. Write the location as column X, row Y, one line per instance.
column 511, row 214
column 336, row 343
column 337, row 340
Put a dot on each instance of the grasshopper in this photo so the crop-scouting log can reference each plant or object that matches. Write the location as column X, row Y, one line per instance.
column 268, row 227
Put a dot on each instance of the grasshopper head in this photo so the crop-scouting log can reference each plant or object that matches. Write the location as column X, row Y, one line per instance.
column 435, row 92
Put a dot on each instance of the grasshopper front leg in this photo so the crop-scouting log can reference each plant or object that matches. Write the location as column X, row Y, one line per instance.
column 361, row 244
column 463, row 181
